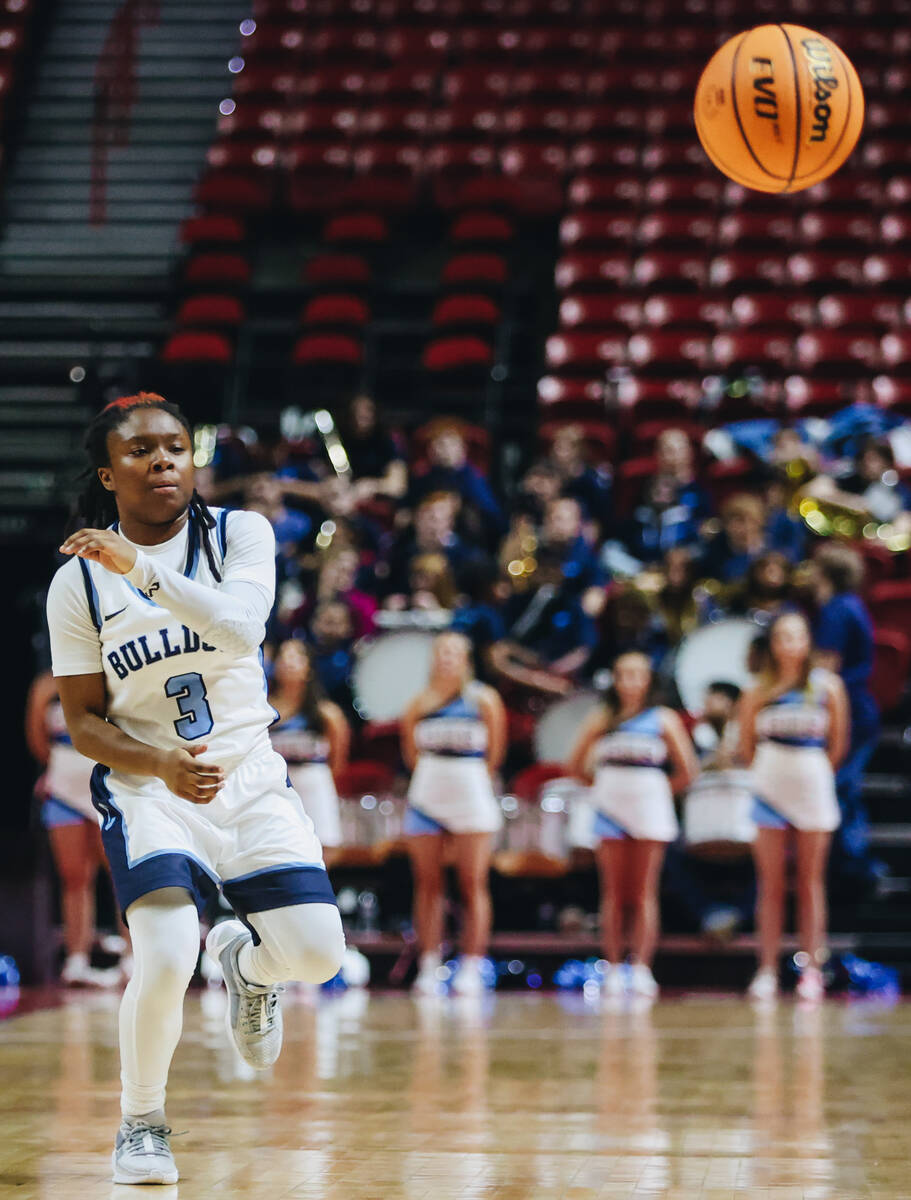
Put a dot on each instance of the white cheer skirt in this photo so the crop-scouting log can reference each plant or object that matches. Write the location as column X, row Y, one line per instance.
column 455, row 792
column 314, row 784
column 638, row 799
column 68, row 778
column 798, row 783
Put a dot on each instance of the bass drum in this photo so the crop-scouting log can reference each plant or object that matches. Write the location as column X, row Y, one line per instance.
column 558, row 728
column 389, row 671
column 716, row 652
column 718, row 816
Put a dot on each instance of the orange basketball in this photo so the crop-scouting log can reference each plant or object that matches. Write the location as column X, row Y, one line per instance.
column 779, row 108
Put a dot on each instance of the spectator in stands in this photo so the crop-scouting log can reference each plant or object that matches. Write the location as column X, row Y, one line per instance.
column 871, row 489
column 377, row 467
column 433, row 531
column 263, row 494
column 677, row 605
column 338, row 581
column 843, row 632
column 540, row 484
column 629, row 624
column 672, row 505
column 431, row 587
column 564, row 546
column 742, row 539
column 765, row 591
column 479, row 613
column 591, row 486
column 784, row 531
column 331, row 636
column 449, row 470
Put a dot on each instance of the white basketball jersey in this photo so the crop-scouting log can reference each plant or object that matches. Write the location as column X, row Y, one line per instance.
column 166, row 687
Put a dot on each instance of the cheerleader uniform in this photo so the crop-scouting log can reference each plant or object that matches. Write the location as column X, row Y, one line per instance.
column 307, row 754
column 450, row 790
column 68, row 777
column 631, row 792
column 791, row 770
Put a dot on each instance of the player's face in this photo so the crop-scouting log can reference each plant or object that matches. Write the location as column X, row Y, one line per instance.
column 632, row 678
column 151, row 467
column 790, row 641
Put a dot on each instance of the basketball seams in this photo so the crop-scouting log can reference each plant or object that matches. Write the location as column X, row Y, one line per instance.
column 851, row 81
column 736, row 108
column 702, row 131
column 798, row 107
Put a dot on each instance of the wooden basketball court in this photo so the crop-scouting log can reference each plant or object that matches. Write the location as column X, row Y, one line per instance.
column 518, row 1097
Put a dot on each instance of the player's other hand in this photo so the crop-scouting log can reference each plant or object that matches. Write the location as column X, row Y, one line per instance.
column 187, row 777
column 102, row 546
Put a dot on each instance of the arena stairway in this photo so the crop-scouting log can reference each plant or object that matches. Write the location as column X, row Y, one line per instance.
column 82, row 306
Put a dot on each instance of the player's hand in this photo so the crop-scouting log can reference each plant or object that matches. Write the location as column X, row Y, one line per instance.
column 187, row 777
column 102, row 546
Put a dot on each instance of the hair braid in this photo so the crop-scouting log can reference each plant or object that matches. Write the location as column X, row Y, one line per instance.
column 96, row 507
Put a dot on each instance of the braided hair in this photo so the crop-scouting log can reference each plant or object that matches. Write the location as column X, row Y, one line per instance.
column 96, row 508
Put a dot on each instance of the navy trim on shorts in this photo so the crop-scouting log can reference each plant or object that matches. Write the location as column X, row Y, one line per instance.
column 278, row 887
column 171, row 868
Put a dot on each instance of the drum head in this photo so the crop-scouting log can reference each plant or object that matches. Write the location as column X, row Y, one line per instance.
column 714, row 652
column 556, row 732
column 389, row 671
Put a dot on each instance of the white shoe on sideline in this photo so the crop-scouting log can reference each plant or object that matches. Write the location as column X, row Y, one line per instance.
column 427, row 982
column 764, row 985
column 142, row 1152
column 811, row 986
column 614, row 982
column 77, row 972
column 642, row 982
column 254, row 1016
column 468, row 980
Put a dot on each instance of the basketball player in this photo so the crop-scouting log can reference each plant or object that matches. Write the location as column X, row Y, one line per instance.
column 72, row 829
column 637, row 755
column 312, row 737
column 454, row 739
column 794, row 730
column 188, row 788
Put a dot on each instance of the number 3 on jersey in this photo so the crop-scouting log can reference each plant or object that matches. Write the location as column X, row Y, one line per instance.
column 190, row 693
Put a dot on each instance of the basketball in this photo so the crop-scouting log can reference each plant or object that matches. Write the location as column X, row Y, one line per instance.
column 778, row 108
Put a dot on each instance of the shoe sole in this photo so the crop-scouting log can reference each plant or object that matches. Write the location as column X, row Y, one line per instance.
column 156, row 1177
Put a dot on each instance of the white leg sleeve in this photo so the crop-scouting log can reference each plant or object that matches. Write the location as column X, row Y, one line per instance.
column 303, row 941
column 165, row 932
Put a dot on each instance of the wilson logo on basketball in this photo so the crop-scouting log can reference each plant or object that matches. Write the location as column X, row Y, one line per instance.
column 819, row 64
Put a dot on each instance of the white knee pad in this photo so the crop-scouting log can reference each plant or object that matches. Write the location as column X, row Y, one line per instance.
column 304, row 942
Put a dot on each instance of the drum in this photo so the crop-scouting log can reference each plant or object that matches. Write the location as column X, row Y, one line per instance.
column 718, row 816
column 535, row 837
column 389, row 671
column 716, row 652
column 558, row 728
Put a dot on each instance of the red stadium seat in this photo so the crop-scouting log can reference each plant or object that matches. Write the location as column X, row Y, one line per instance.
column 820, row 228
column 545, row 121
column 197, row 347
column 683, row 189
column 741, row 229
column 478, row 228
column 342, row 83
column 781, row 311
column 254, row 156
column 605, row 191
column 232, row 192
column 898, row 189
column 886, row 154
column 457, row 354
column 394, row 121
column 389, row 161
column 895, row 347
column 673, row 156
column 329, row 349
column 550, row 82
column 670, row 120
column 629, row 481
column 672, row 350
column 771, row 352
column 583, row 353
column 890, row 605
column 667, row 311
column 892, row 393
column 217, row 268
column 528, row 783
column 888, row 270
column 351, row 45
column 827, row 351
column 540, row 171
column 336, row 309
column 408, row 83
column 895, row 231
column 597, row 156
column 465, row 310
column 609, row 311
column 742, row 269
column 676, row 228
column 476, row 121
column 268, row 84
column 649, row 397
column 251, row 120
column 417, row 45
column 805, row 397
column 211, row 311
column 588, row 270
column 857, row 191
column 571, row 397
column 212, row 231
column 671, row 268
column 356, row 229
column 606, row 120
column 486, row 270
column 646, row 433
column 332, row 270
column 891, row 665
column 477, row 84
column 591, row 228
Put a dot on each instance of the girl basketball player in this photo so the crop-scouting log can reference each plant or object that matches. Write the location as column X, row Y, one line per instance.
column 312, row 737
column 637, row 755
column 188, row 788
column 72, row 827
column 454, row 739
column 794, row 730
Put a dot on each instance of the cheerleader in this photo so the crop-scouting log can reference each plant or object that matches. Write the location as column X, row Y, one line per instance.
column 794, row 730
column 72, row 828
column 454, row 740
column 313, row 738
column 636, row 755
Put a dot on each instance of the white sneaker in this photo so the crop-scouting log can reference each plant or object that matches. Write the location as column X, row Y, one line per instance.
column 764, row 985
column 142, row 1152
column 810, row 986
column 253, row 1015
column 468, row 981
column 614, row 981
column 427, row 982
column 642, row 981
column 76, row 972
